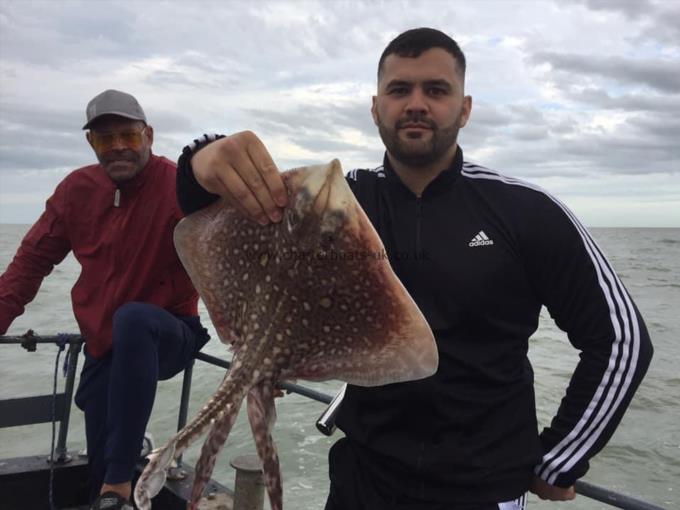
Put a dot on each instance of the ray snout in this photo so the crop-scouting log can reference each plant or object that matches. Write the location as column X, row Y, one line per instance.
column 329, row 196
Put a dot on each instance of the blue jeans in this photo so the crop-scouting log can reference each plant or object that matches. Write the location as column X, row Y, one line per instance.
column 117, row 392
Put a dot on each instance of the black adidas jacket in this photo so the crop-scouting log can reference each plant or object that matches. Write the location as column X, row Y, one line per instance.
column 481, row 253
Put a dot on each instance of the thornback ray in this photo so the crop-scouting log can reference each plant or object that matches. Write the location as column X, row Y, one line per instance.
column 310, row 297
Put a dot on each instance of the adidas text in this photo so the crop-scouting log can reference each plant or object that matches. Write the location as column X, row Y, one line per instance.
column 476, row 242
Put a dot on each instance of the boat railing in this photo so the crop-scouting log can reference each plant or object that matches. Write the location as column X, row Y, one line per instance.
column 55, row 407
column 30, row 410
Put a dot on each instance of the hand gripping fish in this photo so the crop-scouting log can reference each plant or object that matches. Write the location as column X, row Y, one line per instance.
column 311, row 297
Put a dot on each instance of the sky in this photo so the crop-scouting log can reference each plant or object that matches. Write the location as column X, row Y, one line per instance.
column 579, row 97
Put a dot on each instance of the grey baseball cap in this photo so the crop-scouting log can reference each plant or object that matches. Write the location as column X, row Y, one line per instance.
column 113, row 102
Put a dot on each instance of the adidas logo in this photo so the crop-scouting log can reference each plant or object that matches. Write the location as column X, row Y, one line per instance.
column 480, row 239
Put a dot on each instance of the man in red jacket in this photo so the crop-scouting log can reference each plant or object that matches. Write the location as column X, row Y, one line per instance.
column 133, row 301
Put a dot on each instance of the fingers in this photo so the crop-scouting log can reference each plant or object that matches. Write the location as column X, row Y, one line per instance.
column 263, row 161
column 551, row 492
column 251, row 195
column 240, row 169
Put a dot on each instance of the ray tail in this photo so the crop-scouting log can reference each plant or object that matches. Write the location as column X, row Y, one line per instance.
column 262, row 415
column 226, row 400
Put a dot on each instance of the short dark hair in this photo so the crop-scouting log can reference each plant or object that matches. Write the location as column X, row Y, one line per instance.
column 417, row 40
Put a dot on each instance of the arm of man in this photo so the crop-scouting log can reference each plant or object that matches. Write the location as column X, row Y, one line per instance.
column 45, row 245
column 587, row 300
column 237, row 168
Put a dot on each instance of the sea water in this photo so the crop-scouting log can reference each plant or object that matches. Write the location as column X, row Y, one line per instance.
column 641, row 460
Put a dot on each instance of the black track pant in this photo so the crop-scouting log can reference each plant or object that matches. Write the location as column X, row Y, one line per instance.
column 117, row 392
column 351, row 490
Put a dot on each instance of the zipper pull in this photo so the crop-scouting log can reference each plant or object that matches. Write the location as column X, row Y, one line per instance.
column 116, row 198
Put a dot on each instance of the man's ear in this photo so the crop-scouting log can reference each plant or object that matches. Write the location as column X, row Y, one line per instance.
column 465, row 111
column 148, row 132
column 88, row 136
column 374, row 110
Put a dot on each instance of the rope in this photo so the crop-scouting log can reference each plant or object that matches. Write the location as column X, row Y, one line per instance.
column 61, row 342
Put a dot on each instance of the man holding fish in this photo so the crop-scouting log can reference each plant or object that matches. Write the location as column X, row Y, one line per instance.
column 480, row 253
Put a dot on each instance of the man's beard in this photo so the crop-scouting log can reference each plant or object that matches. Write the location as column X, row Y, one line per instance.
column 109, row 159
column 419, row 152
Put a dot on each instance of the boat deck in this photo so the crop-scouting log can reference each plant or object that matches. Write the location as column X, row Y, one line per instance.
column 24, row 482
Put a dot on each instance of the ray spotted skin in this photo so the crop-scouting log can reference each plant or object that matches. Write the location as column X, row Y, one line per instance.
column 219, row 431
column 310, row 297
column 262, row 415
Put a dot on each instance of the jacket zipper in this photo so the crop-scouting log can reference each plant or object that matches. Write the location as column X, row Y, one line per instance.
column 421, row 455
column 419, row 210
column 117, row 220
column 419, row 468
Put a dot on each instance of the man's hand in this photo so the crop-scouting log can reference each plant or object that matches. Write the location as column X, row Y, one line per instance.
column 551, row 492
column 240, row 169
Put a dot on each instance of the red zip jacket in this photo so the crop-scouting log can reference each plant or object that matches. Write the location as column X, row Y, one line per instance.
column 122, row 237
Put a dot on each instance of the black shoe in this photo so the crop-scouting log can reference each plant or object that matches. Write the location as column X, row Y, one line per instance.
column 111, row 501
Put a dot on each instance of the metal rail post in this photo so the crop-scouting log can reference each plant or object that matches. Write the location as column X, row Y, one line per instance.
column 60, row 451
column 249, row 484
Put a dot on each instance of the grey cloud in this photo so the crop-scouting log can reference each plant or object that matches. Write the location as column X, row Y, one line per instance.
column 166, row 122
column 328, row 118
column 631, row 9
column 526, row 113
column 16, row 116
column 38, row 139
column 490, row 124
column 621, row 155
column 210, row 63
column 519, row 159
column 659, row 134
column 532, row 133
column 632, row 150
column 352, row 158
column 26, row 148
column 630, row 102
column 84, row 26
column 565, row 125
column 41, row 140
column 106, row 35
column 320, row 144
column 67, row 31
column 478, row 135
column 662, row 18
column 556, row 145
column 317, row 128
column 38, row 156
column 666, row 25
column 165, row 79
column 207, row 72
column 661, row 75
column 490, row 115
column 172, row 78
column 575, row 158
column 486, row 123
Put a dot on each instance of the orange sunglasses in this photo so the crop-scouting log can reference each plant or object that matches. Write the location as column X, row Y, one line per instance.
column 105, row 141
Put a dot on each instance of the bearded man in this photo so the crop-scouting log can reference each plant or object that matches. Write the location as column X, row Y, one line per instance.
column 480, row 253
